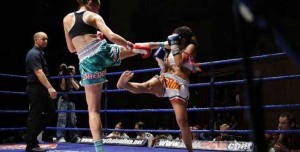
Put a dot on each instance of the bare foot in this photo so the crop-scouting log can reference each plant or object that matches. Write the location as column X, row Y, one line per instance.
column 124, row 79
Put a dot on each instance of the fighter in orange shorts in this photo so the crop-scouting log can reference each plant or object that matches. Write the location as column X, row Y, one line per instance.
column 176, row 67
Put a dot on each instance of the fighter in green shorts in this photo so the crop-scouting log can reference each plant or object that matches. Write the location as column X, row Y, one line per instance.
column 95, row 58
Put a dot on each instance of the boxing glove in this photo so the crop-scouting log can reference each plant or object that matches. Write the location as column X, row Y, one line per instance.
column 100, row 35
column 160, row 55
column 174, row 42
column 142, row 48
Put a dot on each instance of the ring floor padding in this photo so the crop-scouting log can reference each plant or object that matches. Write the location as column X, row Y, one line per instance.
column 73, row 147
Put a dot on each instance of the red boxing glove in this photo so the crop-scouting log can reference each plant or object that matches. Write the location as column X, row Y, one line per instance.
column 100, row 35
column 142, row 48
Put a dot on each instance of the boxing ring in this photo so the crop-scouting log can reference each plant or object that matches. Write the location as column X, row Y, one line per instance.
column 252, row 92
column 86, row 145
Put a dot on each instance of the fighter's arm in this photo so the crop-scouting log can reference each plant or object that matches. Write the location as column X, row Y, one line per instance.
column 62, row 82
column 113, row 37
column 74, row 84
column 184, row 56
column 43, row 79
column 70, row 45
column 156, row 45
column 111, row 135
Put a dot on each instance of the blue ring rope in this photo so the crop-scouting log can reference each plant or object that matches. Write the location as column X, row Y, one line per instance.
column 236, row 60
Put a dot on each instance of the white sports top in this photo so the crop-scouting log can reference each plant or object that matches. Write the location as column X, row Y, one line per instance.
column 186, row 64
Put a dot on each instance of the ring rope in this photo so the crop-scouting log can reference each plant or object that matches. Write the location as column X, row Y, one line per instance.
column 158, row 131
column 286, row 106
column 168, row 110
column 217, row 83
column 235, row 60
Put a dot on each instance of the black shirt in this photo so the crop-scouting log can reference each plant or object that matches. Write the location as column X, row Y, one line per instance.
column 291, row 141
column 35, row 60
column 80, row 27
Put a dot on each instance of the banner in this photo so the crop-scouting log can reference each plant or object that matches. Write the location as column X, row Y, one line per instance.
column 23, row 146
column 208, row 145
column 118, row 141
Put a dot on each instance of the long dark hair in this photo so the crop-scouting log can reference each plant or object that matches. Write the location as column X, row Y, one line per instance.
column 186, row 33
column 85, row 1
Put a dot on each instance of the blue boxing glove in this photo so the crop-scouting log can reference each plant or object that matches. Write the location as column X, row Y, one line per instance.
column 160, row 55
column 174, row 41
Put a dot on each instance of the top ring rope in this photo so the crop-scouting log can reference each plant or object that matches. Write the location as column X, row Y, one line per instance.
column 218, row 83
column 286, row 106
column 235, row 60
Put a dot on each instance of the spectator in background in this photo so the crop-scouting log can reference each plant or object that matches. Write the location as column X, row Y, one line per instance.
column 271, row 140
column 117, row 133
column 233, row 124
column 143, row 135
column 195, row 135
column 289, row 142
column 224, row 136
column 179, row 137
column 238, row 95
column 162, row 135
column 66, row 102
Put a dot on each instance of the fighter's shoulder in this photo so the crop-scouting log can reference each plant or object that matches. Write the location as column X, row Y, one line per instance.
column 68, row 17
column 91, row 16
column 190, row 48
column 89, row 13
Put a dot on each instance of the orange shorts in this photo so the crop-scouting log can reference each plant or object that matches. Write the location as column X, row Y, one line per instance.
column 174, row 87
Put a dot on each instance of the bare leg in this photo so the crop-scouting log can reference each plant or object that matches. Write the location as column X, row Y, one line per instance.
column 182, row 121
column 124, row 79
column 152, row 86
column 126, row 53
column 93, row 99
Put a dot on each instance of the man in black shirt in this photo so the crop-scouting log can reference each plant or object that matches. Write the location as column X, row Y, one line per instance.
column 289, row 142
column 39, row 91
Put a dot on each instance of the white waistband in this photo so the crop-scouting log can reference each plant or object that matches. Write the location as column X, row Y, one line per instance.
column 89, row 50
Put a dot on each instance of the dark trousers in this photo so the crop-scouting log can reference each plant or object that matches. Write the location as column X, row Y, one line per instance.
column 66, row 119
column 41, row 112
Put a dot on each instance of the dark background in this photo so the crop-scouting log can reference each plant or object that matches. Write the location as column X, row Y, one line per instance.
column 212, row 21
